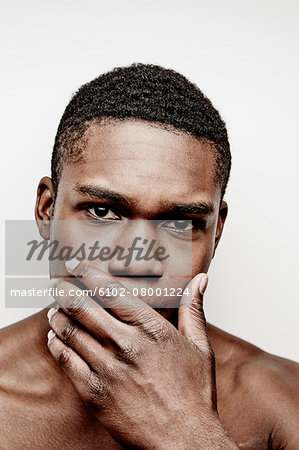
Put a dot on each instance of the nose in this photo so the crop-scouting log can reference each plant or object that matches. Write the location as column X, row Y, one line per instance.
column 135, row 253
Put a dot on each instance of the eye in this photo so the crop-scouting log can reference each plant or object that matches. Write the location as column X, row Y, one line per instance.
column 180, row 225
column 102, row 212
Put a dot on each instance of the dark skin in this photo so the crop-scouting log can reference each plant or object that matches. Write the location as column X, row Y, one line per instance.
column 54, row 396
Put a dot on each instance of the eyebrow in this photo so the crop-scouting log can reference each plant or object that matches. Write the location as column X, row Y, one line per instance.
column 97, row 192
column 193, row 208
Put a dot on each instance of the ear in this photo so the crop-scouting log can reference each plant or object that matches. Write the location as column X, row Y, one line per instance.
column 223, row 210
column 44, row 206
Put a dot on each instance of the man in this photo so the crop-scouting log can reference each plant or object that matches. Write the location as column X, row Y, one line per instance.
column 136, row 146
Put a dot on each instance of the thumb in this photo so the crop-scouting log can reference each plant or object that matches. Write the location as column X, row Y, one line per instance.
column 191, row 317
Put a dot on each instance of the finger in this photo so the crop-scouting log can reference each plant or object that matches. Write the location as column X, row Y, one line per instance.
column 79, row 306
column 91, row 386
column 74, row 366
column 112, row 294
column 191, row 317
column 78, row 339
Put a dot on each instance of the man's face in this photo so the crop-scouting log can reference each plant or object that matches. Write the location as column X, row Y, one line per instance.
column 134, row 170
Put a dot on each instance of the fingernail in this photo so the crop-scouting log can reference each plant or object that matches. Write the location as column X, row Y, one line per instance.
column 71, row 264
column 203, row 284
column 51, row 335
column 52, row 283
column 51, row 313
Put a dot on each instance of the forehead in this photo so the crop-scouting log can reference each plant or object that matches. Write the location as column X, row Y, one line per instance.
column 146, row 161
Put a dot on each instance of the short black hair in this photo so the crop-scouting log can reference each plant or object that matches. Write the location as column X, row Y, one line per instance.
column 141, row 91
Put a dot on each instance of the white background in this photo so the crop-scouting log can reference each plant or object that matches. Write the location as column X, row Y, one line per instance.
column 244, row 56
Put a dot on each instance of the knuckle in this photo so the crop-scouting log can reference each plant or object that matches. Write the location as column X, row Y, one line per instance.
column 78, row 301
column 85, row 271
column 127, row 351
column 110, row 290
column 78, row 306
column 65, row 358
column 111, row 285
column 69, row 332
column 96, row 389
column 154, row 329
column 206, row 351
column 196, row 306
column 210, row 354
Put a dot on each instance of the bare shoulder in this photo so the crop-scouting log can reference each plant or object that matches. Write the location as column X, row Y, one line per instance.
column 24, row 361
column 273, row 378
column 39, row 407
column 38, row 404
column 22, row 349
column 274, row 384
column 267, row 387
column 22, row 382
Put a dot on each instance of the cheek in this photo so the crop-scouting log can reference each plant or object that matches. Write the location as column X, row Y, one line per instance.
column 70, row 239
column 62, row 243
column 202, row 254
column 189, row 259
